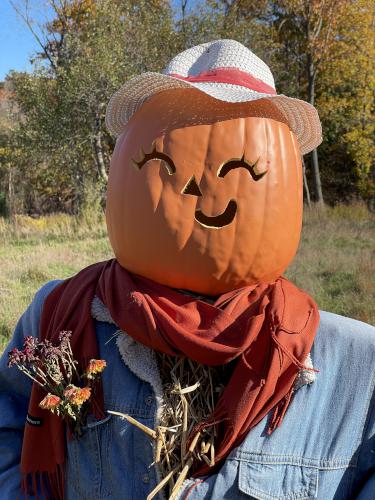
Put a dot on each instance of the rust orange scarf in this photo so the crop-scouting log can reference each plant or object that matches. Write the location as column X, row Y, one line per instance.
column 268, row 329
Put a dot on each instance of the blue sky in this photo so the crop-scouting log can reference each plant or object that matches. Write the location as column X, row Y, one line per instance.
column 17, row 44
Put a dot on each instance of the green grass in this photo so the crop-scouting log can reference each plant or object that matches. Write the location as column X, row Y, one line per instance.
column 335, row 262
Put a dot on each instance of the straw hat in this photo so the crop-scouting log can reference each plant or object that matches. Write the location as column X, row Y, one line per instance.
column 225, row 70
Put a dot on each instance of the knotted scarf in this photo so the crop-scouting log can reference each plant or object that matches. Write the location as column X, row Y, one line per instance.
column 268, row 329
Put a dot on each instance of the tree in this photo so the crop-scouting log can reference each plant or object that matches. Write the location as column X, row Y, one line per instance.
column 90, row 49
column 346, row 98
column 319, row 50
column 309, row 28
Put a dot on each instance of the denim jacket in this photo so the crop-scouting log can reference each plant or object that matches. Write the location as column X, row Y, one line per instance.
column 324, row 449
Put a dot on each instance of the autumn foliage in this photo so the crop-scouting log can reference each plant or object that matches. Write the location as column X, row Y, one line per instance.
column 55, row 149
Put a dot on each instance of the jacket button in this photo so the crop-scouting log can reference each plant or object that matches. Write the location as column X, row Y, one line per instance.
column 146, row 478
column 149, row 400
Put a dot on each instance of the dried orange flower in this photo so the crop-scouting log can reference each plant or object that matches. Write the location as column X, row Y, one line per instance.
column 70, row 392
column 95, row 366
column 50, row 402
column 76, row 395
column 83, row 395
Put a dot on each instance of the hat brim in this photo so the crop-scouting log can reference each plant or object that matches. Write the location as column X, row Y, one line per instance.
column 301, row 116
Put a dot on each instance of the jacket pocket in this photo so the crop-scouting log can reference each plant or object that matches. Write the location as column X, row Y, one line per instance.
column 85, row 457
column 278, row 481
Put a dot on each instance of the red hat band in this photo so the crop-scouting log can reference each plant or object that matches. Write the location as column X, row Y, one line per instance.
column 233, row 76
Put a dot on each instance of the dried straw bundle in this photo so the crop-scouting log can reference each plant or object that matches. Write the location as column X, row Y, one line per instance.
column 190, row 393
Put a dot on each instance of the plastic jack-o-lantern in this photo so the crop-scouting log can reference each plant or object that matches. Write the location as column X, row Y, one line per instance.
column 205, row 195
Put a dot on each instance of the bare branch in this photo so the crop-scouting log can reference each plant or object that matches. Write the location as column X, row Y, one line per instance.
column 318, row 28
column 29, row 23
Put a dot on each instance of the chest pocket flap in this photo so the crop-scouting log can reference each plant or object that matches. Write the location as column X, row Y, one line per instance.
column 278, row 481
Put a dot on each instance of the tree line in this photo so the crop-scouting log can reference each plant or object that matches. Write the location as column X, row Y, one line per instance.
column 54, row 146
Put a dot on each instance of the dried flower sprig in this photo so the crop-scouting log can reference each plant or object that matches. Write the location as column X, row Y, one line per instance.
column 54, row 368
column 95, row 366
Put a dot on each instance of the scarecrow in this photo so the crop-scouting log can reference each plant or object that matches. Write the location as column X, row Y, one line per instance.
column 188, row 366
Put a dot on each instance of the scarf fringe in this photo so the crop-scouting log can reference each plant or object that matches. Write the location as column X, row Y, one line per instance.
column 291, row 356
column 282, row 406
column 44, row 485
column 279, row 412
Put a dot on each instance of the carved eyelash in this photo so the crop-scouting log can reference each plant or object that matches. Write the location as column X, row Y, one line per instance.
column 241, row 162
column 155, row 155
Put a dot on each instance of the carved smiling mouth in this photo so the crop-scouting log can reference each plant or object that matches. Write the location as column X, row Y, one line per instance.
column 220, row 220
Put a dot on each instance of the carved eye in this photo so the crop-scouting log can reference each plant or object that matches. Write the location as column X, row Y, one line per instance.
column 156, row 155
column 241, row 162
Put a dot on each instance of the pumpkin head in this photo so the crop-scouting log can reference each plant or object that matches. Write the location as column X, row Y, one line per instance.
column 205, row 195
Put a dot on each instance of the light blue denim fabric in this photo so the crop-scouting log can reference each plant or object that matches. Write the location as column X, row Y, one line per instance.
column 324, row 449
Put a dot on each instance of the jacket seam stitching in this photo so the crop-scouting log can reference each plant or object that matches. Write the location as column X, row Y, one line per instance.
column 295, row 460
column 298, row 464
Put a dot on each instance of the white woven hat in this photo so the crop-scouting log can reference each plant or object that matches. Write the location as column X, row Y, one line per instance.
column 225, row 70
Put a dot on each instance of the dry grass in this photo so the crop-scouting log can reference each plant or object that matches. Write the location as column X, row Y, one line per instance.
column 335, row 262
column 190, row 393
column 34, row 251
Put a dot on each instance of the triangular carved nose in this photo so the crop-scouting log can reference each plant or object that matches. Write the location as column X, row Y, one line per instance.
column 191, row 187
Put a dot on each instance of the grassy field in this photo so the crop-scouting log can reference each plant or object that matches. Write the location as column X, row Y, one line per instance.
column 335, row 262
